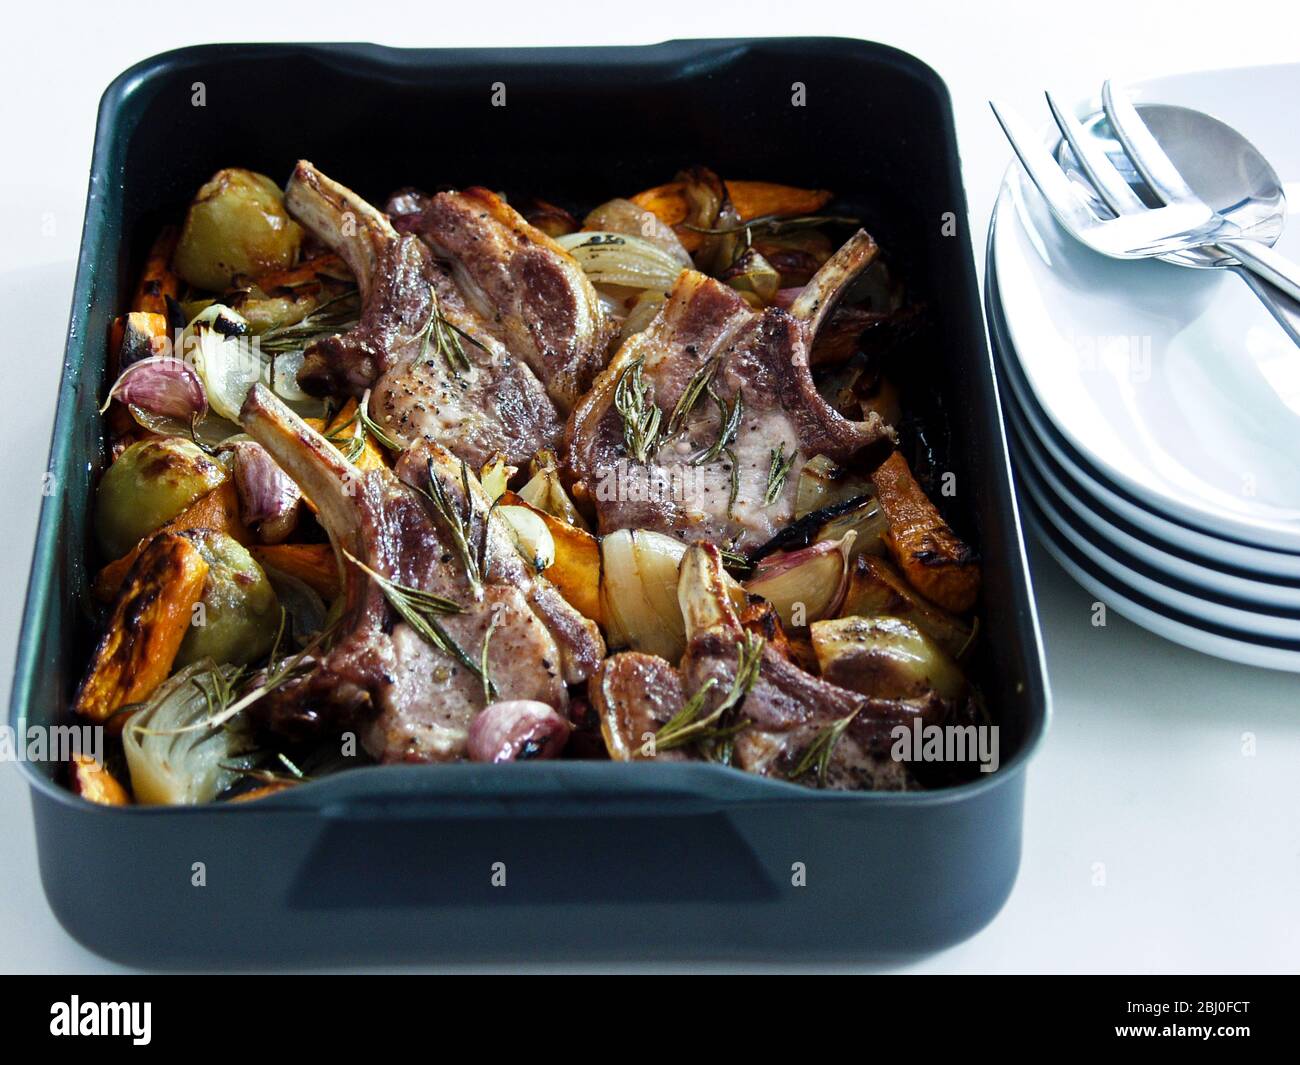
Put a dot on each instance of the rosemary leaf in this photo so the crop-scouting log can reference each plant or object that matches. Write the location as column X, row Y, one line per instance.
column 459, row 525
column 420, row 610
column 489, row 689
column 350, row 444
column 729, row 416
column 440, row 334
column 641, row 417
column 818, row 753
column 319, row 324
column 777, row 473
column 686, row 726
column 373, row 427
column 734, row 491
column 699, row 383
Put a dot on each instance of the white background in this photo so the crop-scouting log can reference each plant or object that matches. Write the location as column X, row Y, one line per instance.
column 1143, row 768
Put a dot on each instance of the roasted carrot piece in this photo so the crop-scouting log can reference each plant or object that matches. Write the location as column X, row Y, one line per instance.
column 158, row 282
column 751, row 199
column 303, row 273
column 935, row 561
column 150, row 619
column 760, row 199
column 313, row 564
column 217, row 511
column 273, row 788
column 94, row 783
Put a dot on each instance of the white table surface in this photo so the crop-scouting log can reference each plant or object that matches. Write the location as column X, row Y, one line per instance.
column 1143, row 768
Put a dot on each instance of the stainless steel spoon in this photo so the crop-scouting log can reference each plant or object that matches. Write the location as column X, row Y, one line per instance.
column 1223, row 169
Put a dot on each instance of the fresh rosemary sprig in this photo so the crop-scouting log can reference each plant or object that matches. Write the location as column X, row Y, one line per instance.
column 445, row 338
column 686, row 726
column 641, row 417
column 421, row 611
column 819, row 752
column 699, row 383
column 317, row 325
column 458, row 524
column 777, row 473
column 729, row 416
column 734, row 560
column 350, row 444
column 373, row 427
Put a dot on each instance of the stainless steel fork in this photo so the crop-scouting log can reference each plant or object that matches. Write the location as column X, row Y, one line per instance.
column 1184, row 222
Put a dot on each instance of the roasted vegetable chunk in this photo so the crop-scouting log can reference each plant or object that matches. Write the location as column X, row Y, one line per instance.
column 237, row 224
column 94, row 783
column 938, row 564
column 151, row 482
column 157, row 281
column 150, row 620
column 876, row 587
column 240, row 614
column 886, row 658
column 218, row 511
column 313, row 564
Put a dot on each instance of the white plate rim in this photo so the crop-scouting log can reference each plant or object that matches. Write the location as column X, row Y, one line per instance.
column 1248, row 622
column 1175, row 631
column 1259, row 560
column 1262, row 533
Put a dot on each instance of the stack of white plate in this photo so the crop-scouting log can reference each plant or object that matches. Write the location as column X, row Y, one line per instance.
column 1154, row 411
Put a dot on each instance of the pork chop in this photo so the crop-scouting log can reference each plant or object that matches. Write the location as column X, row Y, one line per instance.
column 737, row 411
column 531, row 293
column 782, row 721
column 412, row 698
column 438, row 372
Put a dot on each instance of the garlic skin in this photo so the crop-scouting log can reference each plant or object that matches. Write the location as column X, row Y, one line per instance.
column 162, row 385
column 269, row 500
column 517, row 730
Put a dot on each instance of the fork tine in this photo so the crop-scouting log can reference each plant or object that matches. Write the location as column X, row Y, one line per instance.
column 1099, row 170
column 1056, row 188
column 1156, row 168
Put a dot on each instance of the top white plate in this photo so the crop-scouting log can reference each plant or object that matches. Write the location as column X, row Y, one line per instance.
column 1175, row 383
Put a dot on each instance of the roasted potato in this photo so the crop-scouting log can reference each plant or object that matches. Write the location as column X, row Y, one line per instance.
column 876, row 587
column 932, row 557
column 237, row 224
column 151, row 482
column 886, row 658
column 240, row 614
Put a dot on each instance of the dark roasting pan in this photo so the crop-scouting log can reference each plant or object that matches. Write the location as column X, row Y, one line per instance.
column 600, row 860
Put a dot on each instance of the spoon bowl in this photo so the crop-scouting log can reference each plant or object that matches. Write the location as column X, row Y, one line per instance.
column 1222, row 167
